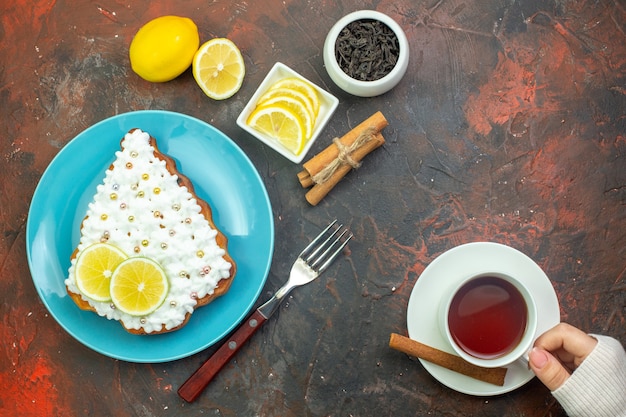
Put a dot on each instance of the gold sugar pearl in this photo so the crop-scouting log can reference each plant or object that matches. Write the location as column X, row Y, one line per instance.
column 157, row 213
column 131, row 218
column 129, row 165
column 104, row 216
column 188, row 220
column 136, row 249
column 134, row 154
column 176, row 206
column 200, row 254
column 113, row 196
column 145, row 177
column 144, row 242
column 156, row 190
column 140, row 194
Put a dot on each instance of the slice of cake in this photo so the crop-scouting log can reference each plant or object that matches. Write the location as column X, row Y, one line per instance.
column 146, row 208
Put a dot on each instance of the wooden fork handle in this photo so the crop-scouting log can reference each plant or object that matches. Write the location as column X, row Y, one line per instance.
column 199, row 380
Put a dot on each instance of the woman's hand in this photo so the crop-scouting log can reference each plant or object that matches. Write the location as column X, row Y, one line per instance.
column 558, row 352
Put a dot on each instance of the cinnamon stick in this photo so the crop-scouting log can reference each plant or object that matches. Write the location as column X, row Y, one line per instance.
column 376, row 122
column 455, row 363
column 319, row 191
column 305, row 179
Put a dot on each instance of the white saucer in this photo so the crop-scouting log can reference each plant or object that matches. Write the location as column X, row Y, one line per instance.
column 446, row 271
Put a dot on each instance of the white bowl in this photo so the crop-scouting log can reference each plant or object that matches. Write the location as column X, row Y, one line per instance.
column 328, row 104
column 358, row 87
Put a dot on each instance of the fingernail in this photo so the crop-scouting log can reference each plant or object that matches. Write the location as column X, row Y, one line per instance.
column 538, row 358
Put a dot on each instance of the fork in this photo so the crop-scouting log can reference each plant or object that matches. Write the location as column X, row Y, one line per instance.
column 309, row 265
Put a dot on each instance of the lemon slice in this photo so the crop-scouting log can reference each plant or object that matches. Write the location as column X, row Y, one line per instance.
column 297, row 107
column 218, row 68
column 138, row 286
column 286, row 92
column 294, row 83
column 94, row 267
column 280, row 123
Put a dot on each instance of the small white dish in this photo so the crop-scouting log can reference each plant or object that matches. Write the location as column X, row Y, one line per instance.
column 449, row 269
column 328, row 104
column 358, row 87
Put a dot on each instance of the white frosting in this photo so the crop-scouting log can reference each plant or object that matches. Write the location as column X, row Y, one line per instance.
column 141, row 208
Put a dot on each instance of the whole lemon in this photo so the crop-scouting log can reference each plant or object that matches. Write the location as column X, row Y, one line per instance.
column 163, row 48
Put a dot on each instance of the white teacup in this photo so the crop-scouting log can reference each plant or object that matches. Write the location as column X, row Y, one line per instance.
column 489, row 319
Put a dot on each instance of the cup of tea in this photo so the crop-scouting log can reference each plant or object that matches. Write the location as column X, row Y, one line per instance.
column 490, row 319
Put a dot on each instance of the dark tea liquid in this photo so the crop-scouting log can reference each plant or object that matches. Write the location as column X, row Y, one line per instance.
column 487, row 317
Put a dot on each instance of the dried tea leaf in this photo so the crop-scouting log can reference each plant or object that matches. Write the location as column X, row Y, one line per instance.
column 367, row 49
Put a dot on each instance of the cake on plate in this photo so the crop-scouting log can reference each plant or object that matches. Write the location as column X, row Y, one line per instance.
column 146, row 216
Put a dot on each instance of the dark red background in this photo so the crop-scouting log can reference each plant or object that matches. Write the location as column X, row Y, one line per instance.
column 509, row 126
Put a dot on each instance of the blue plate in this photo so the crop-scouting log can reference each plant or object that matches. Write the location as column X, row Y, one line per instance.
column 222, row 175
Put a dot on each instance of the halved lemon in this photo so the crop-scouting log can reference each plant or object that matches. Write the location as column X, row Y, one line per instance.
column 297, row 84
column 280, row 123
column 218, row 68
column 94, row 267
column 138, row 286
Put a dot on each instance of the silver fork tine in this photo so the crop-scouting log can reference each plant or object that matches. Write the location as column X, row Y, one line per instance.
column 313, row 263
column 317, row 239
column 321, row 246
column 333, row 255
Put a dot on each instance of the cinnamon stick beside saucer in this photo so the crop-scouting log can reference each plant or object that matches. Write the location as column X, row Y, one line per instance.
column 454, row 363
column 326, row 169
